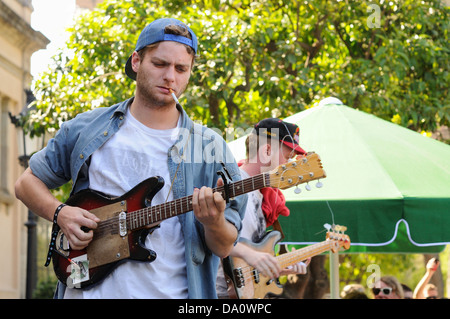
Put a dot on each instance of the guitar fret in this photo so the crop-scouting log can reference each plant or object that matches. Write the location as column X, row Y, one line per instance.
column 137, row 219
column 165, row 211
column 155, row 214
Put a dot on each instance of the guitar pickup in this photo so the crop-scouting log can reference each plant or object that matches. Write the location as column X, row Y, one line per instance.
column 123, row 224
column 239, row 277
column 256, row 276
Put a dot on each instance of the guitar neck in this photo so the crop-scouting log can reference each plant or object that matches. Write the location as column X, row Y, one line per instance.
column 284, row 176
column 154, row 214
column 296, row 256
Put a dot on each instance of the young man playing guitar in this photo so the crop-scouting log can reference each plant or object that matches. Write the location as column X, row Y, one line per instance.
column 113, row 149
column 272, row 143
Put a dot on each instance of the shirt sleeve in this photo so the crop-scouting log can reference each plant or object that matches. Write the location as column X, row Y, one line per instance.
column 52, row 164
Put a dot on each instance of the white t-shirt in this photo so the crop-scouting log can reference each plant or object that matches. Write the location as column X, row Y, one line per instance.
column 132, row 155
column 253, row 228
column 254, row 222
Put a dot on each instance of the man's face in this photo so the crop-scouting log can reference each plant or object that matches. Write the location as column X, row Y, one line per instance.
column 168, row 66
column 273, row 154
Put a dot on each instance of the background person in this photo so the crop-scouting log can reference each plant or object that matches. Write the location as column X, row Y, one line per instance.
column 272, row 142
column 425, row 290
column 388, row 287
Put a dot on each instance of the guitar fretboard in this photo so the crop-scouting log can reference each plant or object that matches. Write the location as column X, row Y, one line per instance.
column 154, row 214
column 296, row 256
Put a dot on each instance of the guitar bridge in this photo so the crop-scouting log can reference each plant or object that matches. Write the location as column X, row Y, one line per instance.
column 239, row 277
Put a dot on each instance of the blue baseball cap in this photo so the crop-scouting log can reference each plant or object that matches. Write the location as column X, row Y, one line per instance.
column 154, row 32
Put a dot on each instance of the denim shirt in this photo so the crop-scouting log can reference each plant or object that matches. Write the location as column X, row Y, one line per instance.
column 193, row 161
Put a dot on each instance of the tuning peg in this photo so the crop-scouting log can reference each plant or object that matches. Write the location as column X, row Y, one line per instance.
column 297, row 190
column 327, row 226
column 319, row 184
column 307, row 187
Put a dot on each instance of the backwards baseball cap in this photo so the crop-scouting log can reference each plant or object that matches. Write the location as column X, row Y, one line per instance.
column 155, row 32
column 287, row 133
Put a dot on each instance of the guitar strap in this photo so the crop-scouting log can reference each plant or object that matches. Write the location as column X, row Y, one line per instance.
column 277, row 226
column 183, row 157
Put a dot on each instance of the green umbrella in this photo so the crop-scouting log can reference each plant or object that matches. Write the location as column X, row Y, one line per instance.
column 388, row 185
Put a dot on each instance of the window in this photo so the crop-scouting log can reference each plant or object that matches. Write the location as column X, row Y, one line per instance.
column 4, row 121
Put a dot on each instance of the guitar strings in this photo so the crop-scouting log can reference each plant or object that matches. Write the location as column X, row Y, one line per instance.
column 152, row 212
column 149, row 215
column 288, row 260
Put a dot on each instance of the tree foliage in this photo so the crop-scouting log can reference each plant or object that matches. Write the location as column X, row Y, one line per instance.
column 264, row 58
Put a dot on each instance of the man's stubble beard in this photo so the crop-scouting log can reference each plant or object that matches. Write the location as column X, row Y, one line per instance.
column 150, row 98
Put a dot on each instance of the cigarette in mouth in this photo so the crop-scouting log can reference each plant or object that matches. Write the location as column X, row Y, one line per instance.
column 174, row 97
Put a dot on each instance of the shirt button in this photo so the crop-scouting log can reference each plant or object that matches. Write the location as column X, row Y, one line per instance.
column 105, row 133
column 81, row 156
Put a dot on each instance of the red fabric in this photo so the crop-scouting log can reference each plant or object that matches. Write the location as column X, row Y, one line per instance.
column 273, row 204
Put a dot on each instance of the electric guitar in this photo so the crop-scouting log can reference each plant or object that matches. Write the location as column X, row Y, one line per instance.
column 245, row 282
column 126, row 221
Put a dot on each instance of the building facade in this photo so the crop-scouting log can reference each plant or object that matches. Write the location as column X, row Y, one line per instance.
column 18, row 41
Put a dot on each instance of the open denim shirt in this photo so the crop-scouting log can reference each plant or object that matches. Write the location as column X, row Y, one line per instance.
column 194, row 161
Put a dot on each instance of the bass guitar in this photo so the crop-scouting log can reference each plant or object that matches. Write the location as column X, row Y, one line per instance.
column 126, row 221
column 245, row 282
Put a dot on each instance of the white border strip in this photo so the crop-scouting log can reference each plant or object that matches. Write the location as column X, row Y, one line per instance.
column 381, row 244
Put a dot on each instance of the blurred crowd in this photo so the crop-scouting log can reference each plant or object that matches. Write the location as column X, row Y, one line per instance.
column 389, row 287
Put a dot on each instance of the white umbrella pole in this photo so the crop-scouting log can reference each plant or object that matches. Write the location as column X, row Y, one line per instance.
column 334, row 275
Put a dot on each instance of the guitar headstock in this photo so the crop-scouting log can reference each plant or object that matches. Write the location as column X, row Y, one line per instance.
column 338, row 237
column 303, row 170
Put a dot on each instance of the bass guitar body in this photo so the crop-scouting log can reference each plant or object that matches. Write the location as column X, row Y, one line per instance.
column 244, row 281
column 112, row 243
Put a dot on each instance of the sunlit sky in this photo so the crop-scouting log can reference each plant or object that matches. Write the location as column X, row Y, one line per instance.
column 50, row 17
